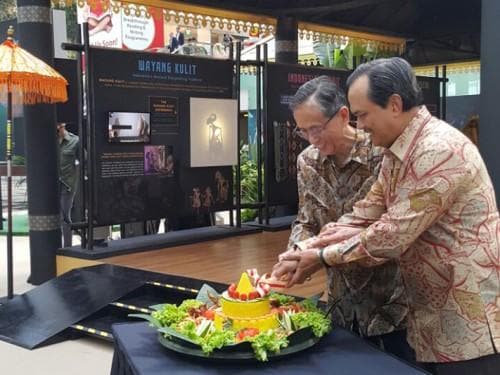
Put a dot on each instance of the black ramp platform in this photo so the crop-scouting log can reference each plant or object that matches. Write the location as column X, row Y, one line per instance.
column 38, row 315
column 88, row 301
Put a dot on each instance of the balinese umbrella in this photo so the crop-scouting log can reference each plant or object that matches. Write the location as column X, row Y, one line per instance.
column 27, row 80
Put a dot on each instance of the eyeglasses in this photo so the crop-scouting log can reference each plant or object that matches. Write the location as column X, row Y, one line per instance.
column 314, row 131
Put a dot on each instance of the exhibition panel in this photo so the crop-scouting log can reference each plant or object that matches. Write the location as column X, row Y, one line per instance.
column 155, row 117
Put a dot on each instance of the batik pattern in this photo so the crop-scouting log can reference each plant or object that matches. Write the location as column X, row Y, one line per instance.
column 433, row 208
column 375, row 296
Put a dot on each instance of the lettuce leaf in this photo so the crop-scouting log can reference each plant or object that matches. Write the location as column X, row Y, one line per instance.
column 281, row 299
column 267, row 341
column 169, row 315
column 216, row 340
column 188, row 329
column 320, row 325
column 310, row 305
column 188, row 304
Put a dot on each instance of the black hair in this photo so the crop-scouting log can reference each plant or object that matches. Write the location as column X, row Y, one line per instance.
column 387, row 77
column 323, row 91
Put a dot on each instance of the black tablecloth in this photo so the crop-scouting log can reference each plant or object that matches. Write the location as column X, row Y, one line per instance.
column 137, row 351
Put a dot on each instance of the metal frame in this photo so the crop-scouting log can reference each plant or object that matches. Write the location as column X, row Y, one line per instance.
column 266, row 137
column 238, row 136
column 443, row 80
column 259, row 131
column 10, row 272
column 89, row 83
column 87, row 160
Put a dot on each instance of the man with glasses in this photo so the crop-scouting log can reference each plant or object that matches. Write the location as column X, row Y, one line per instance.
column 433, row 210
column 335, row 171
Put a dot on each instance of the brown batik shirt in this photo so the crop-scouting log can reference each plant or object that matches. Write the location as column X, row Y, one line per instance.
column 374, row 297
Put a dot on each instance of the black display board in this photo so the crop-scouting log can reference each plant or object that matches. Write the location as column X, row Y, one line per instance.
column 283, row 146
column 68, row 111
column 460, row 109
column 430, row 91
column 141, row 164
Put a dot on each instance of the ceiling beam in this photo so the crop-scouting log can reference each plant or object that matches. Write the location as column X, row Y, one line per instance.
column 346, row 5
column 454, row 47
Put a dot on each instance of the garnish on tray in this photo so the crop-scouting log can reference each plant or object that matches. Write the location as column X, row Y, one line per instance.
column 245, row 312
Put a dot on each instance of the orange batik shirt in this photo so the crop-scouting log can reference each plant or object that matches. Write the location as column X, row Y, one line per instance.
column 433, row 208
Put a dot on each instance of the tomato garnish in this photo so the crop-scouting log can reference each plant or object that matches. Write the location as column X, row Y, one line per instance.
column 247, row 332
column 209, row 314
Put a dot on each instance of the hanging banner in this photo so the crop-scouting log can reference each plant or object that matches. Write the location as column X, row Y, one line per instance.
column 104, row 20
column 142, row 32
column 113, row 25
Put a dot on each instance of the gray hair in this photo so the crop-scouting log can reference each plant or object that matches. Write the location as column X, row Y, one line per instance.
column 387, row 77
column 322, row 91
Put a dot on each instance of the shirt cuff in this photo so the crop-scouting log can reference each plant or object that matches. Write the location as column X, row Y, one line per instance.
column 302, row 245
column 334, row 254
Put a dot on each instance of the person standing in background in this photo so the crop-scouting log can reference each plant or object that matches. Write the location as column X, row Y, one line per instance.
column 179, row 36
column 226, row 41
column 69, row 144
column 173, row 43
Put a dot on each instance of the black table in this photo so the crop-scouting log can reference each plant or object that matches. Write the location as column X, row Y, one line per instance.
column 137, row 351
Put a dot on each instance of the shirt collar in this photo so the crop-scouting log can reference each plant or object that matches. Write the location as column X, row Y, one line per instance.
column 404, row 143
column 359, row 152
column 66, row 137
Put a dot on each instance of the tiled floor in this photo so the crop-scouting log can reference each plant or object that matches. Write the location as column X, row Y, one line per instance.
column 84, row 356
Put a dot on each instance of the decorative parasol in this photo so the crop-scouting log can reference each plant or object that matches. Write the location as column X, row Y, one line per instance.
column 27, row 80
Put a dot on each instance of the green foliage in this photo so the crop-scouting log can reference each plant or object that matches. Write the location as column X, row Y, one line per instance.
column 281, row 299
column 186, row 325
column 267, row 341
column 324, row 52
column 188, row 329
column 342, row 57
column 216, row 339
column 339, row 59
column 8, row 11
column 18, row 160
column 188, row 304
column 71, row 20
column 319, row 323
column 170, row 315
column 249, row 190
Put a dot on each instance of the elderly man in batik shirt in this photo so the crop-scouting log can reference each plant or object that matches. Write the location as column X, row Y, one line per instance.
column 334, row 172
column 433, row 208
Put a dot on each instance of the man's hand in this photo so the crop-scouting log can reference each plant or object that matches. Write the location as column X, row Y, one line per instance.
column 307, row 263
column 284, row 269
column 334, row 234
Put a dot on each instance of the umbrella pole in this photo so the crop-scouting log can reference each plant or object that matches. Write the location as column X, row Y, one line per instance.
column 10, row 278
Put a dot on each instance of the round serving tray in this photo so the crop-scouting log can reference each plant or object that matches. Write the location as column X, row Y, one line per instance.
column 298, row 341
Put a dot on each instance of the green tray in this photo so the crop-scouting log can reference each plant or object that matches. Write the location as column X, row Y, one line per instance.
column 298, row 341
